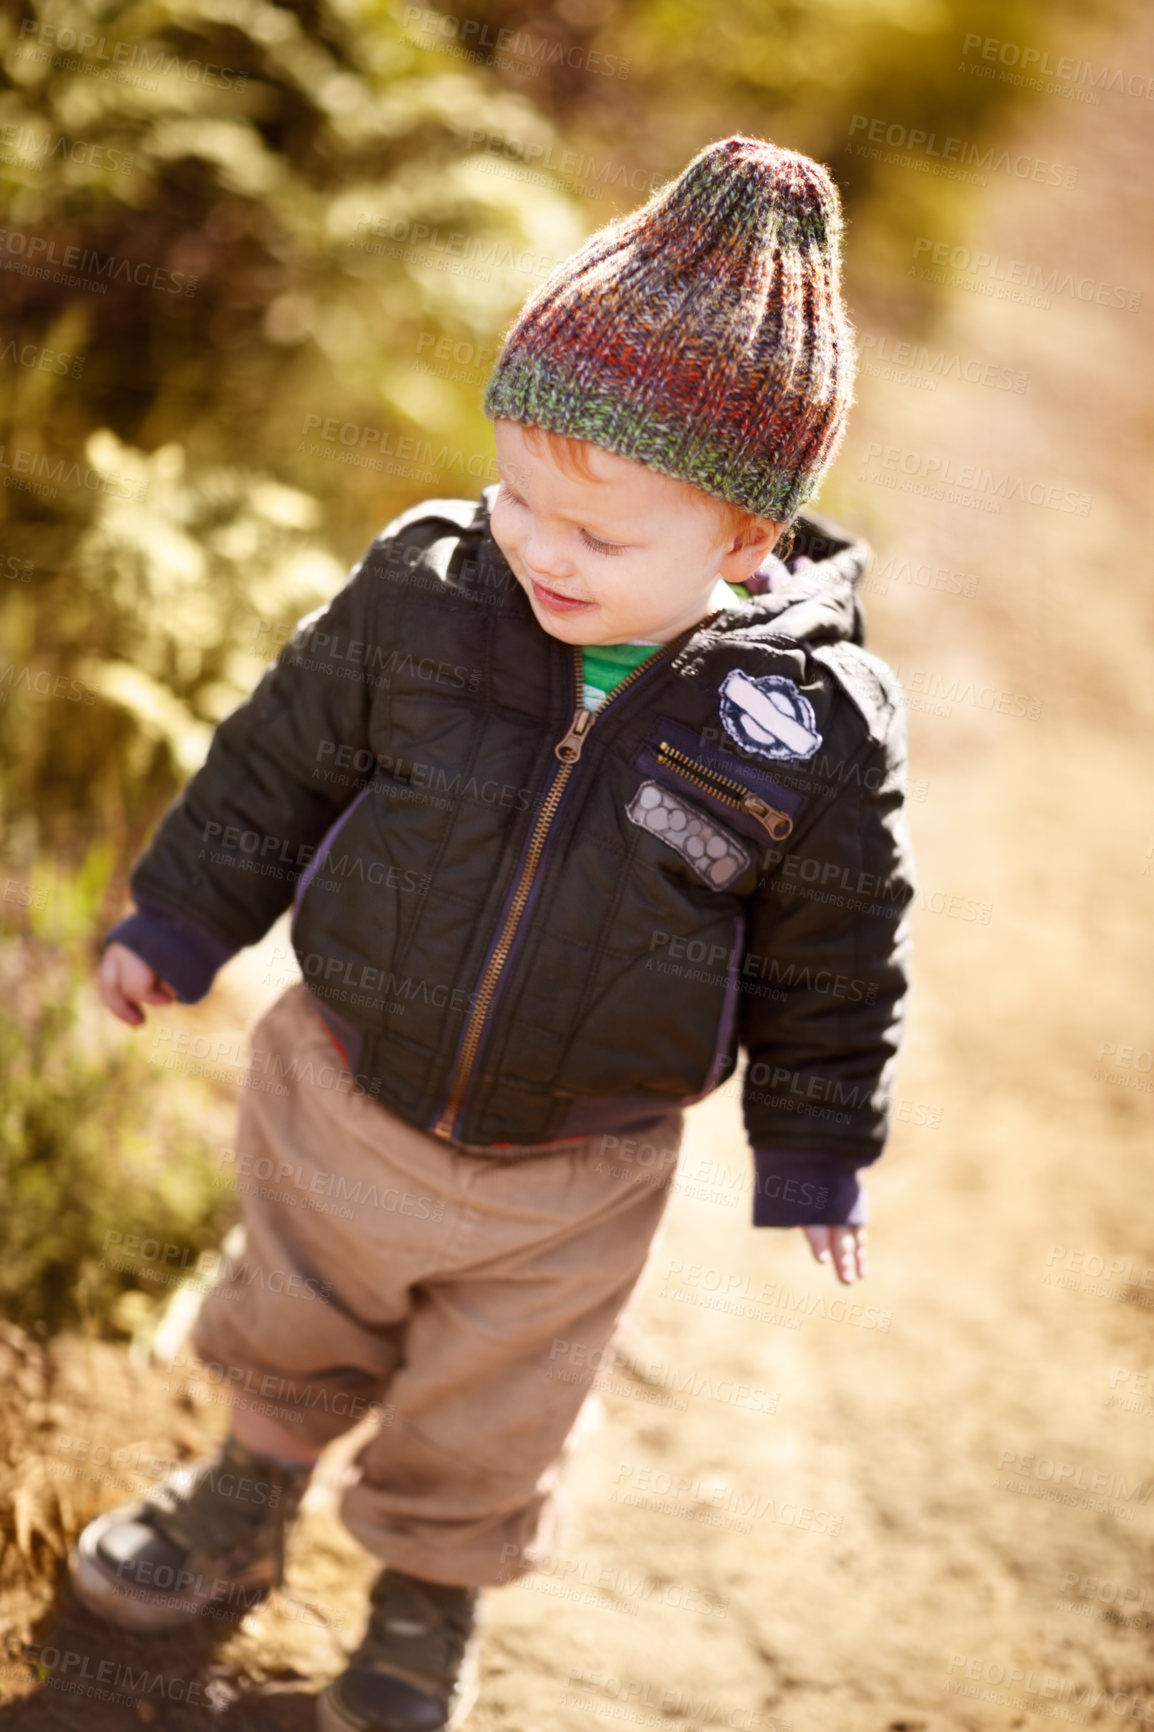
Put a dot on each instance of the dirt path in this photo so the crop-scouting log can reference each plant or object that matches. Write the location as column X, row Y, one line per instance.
column 924, row 1503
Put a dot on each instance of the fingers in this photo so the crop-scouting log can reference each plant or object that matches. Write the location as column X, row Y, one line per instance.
column 818, row 1238
column 848, row 1245
column 842, row 1247
column 125, row 982
column 118, row 1004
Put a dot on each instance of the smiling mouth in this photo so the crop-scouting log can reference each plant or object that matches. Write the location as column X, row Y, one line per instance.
column 554, row 598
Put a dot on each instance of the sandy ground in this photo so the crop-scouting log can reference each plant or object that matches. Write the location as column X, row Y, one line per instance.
column 923, row 1503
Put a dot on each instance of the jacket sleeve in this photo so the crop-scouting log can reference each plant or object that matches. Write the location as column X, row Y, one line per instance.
column 826, row 966
column 225, row 858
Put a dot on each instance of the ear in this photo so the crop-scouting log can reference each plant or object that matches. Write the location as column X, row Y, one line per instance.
column 739, row 563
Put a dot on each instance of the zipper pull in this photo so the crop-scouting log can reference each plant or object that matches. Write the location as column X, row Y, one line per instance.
column 778, row 824
column 569, row 748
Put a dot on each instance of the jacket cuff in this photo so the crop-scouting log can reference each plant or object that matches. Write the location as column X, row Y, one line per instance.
column 175, row 947
column 806, row 1188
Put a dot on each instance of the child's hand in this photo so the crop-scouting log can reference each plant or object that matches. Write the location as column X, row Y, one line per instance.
column 125, row 982
column 844, row 1247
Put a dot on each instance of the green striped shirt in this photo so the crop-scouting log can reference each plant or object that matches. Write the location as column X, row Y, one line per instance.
column 605, row 665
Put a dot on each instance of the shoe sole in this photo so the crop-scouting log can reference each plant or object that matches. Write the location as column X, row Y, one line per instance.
column 131, row 1608
column 331, row 1717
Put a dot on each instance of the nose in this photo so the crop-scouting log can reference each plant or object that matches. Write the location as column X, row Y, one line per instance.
column 544, row 555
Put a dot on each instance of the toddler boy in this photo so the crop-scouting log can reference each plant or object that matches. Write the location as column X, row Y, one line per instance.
column 576, row 790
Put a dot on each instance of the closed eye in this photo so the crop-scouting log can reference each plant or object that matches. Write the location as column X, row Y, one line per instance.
column 591, row 541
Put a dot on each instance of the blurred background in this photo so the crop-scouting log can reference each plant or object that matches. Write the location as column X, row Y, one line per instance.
column 255, row 264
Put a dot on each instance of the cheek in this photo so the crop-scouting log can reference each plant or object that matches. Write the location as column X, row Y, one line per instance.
column 503, row 525
column 627, row 590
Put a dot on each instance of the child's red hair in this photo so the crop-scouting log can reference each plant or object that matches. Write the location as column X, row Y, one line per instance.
column 572, row 458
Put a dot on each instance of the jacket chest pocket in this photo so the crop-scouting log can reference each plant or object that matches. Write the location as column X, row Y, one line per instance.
column 717, row 857
column 716, row 811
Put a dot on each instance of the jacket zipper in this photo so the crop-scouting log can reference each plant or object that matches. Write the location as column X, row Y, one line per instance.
column 567, row 750
column 776, row 824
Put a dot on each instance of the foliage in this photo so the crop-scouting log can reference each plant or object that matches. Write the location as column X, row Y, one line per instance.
column 172, row 600
column 186, row 267
column 91, row 1148
column 805, row 71
column 259, row 257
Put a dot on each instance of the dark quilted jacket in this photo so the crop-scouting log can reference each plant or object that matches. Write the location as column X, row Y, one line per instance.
column 523, row 923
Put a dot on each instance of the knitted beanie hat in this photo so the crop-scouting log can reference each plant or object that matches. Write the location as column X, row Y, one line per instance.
column 702, row 334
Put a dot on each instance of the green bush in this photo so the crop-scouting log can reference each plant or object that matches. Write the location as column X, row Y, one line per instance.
column 168, row 606
column 169, row 491
column 92, row 1142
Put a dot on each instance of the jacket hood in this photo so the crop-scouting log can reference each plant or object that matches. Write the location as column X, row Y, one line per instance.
column 812, row 594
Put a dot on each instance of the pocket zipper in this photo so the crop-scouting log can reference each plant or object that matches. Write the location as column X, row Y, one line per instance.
column 777, row 825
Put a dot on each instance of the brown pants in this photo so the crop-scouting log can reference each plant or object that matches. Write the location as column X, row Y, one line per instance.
column 465, row 1295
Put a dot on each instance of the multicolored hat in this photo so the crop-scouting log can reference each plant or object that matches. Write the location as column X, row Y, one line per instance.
column 703, row 334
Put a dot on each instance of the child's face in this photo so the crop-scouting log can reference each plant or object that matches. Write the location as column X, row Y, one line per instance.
column 625, row 556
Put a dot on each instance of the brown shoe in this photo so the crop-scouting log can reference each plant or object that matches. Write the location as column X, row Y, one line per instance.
column 208, row 1541
column 416, row 1669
